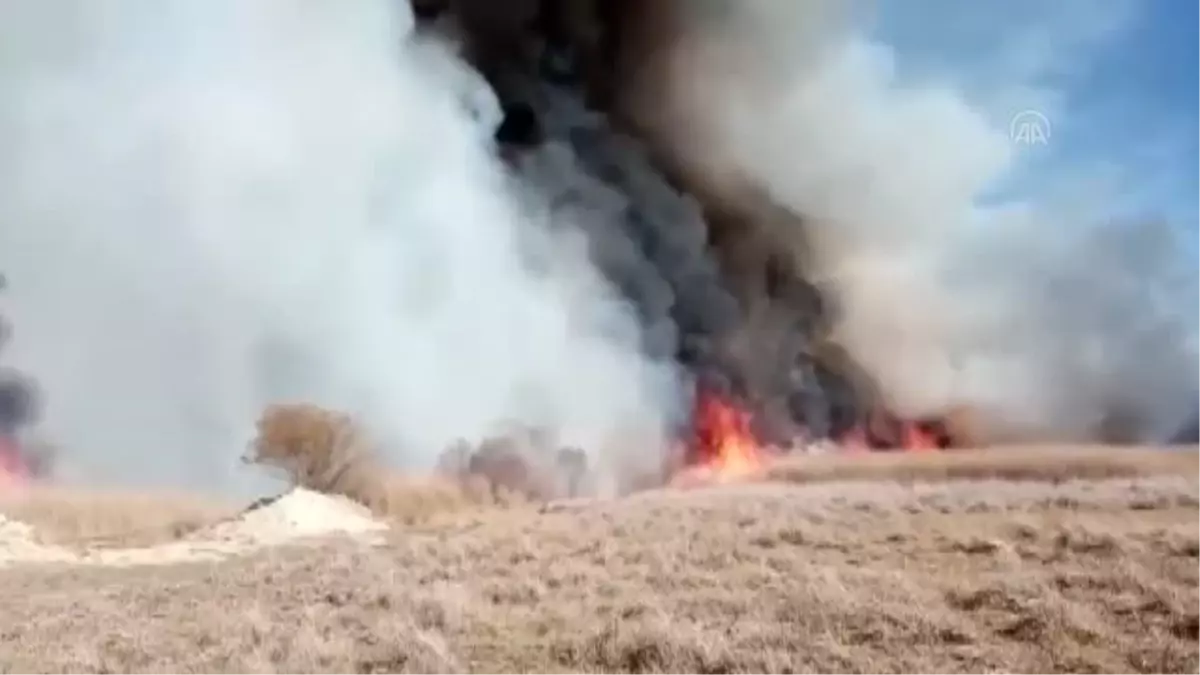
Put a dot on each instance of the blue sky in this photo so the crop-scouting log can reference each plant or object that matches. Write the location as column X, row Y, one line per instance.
column 1117, row 78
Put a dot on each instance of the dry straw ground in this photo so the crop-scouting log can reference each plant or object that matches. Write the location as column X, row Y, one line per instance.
column 1036, row 559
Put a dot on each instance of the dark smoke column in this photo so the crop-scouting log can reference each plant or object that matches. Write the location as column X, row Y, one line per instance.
column 582, row 86
column 20, row 407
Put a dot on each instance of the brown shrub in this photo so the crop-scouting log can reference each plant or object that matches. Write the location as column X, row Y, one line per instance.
column 318, row 449
column 325, row 451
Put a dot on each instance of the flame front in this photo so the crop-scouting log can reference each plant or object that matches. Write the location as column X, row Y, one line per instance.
column 14, row 470
column 727, row 446
column 883, row 431
column 918, row 439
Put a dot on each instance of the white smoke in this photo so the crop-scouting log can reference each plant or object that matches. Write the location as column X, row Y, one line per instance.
column 207, row 206
column 1022, row 311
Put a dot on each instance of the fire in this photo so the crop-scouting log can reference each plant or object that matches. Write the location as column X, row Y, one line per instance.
column 725, row 445
column 915, row 438
column 885, row 432
column 14, row 470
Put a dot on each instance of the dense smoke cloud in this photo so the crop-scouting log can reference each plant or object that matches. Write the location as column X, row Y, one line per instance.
column 208, row 206
column 1043, row 321
column 212, row 205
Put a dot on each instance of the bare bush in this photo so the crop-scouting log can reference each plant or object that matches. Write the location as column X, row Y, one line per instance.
column 318, row 449
column 326, row 451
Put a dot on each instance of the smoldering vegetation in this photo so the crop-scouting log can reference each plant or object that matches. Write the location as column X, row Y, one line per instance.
column 326, row 451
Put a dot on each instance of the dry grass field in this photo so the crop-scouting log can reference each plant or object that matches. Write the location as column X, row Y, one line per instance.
column 1019, row 560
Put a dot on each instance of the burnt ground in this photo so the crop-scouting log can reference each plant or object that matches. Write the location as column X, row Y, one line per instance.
column 888, row 568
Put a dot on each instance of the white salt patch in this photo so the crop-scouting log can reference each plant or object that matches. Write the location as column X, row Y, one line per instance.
column 298, row 514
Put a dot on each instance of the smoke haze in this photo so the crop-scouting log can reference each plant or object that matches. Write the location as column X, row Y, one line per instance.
column 212, row 205
column 209, row 206
column 1030, row 313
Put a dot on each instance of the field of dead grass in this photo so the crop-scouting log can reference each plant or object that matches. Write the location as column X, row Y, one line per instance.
column 977, row 562
column 87, row 518
column 1051, row 463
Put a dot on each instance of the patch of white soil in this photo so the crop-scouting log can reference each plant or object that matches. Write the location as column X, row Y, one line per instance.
column 298, row 516
column 18, row 543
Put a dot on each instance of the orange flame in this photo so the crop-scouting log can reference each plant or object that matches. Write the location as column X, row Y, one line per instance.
column 14, row 470
column 891, row 433
column 914, row 438
column 727, row 446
